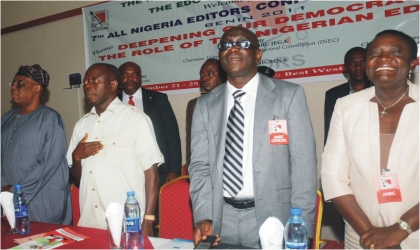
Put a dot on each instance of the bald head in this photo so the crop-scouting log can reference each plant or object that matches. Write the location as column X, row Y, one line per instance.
column 129, row 64
column 242, row 31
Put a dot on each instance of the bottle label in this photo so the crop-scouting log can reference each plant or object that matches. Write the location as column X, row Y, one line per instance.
column 21, row 211
column 132, row 225
column 296, row 245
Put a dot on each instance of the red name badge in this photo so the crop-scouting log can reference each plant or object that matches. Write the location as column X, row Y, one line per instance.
column 388, row 188
column 277, row 130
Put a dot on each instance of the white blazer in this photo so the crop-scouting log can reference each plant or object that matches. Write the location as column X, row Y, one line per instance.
column 351, row 158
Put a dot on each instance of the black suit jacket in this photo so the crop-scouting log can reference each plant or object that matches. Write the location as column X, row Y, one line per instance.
column 156, row 105
column 331, row 97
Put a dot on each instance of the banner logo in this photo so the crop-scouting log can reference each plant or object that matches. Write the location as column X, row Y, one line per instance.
column 99, row 20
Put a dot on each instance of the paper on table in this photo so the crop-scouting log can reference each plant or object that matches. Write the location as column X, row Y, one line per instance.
column 271, row 233
column 50, row 239
column 173, row 244
column 114, row 215
column 8, row 207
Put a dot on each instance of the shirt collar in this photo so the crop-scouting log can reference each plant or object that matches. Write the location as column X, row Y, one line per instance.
column 367, row 85
column 249, row 88
column 114, row 107
column 351, row 89
column 136, row 95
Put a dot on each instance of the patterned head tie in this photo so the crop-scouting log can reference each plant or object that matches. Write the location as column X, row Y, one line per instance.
column 36, row 73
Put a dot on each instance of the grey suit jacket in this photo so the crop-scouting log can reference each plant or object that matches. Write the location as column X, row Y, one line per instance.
column 284, row 175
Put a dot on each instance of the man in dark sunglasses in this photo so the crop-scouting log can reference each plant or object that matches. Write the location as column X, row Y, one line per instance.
column 33, row 149
column 253, row 149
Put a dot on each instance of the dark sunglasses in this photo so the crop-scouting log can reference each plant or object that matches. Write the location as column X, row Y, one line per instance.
column 239, row 45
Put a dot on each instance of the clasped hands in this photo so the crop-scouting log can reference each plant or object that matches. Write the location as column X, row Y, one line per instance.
column 86, row 149
column 383, row 237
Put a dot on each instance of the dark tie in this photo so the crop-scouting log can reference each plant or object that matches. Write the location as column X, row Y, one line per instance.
column 131, row 102
column 232, row 162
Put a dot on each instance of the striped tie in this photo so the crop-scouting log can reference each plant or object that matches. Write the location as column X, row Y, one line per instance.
column 232, row 162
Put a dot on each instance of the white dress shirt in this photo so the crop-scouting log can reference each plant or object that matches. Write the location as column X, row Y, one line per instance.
column 130, row 148
column 248, row 104
column 137, row 99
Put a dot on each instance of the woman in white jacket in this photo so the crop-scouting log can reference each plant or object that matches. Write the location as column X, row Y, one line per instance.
column 373, row 144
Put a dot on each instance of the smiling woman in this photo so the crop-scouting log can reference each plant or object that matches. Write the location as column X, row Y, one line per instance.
column 390, row 60
column 379, row 197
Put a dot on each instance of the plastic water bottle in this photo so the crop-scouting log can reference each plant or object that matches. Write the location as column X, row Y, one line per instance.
column 134, row 235
column 295, row 235
column 21, row 210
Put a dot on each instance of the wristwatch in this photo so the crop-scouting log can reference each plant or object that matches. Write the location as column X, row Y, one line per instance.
column 405, row 226
column 149, row 217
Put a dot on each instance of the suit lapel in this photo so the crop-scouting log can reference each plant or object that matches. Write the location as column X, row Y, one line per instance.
column 263, row 110
column 409, row 112
column 345, row 91
column 374, row 148
column 218, row 120
column 408, row 117
column 147, row 101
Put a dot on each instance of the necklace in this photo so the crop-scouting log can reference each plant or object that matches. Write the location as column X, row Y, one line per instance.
column 383, row 112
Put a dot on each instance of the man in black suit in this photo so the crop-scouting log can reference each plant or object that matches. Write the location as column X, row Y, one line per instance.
column 354, row 63
column 156, row 105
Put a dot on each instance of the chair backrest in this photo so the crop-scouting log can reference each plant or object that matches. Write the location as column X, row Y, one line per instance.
column 318, row 220
column 75, row 204
column 175, row 211
column 184, row 169
column 327, row 244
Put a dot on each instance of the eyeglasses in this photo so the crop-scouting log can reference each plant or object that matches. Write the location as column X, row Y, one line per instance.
column 239, row 45
column 19, row 84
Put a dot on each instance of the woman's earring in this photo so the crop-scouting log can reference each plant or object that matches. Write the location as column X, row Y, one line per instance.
column 409, row 74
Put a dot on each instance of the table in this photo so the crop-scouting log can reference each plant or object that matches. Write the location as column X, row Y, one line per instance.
column 98, row 237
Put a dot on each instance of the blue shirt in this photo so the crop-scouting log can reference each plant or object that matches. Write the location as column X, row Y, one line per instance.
column 33, row 153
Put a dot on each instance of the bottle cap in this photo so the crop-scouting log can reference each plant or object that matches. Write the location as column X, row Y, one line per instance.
column 130, row 193
column 295, row 211
column 18, row 186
